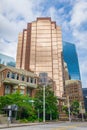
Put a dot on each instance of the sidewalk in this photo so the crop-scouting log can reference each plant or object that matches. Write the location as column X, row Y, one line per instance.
column 18, row 125
column 25, row 124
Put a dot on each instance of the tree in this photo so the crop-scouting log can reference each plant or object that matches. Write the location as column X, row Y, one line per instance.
column 22, row 101
column 65, row 109
column 75, row 107
column 51, row 104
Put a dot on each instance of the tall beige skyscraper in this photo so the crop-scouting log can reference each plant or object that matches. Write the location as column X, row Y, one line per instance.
column 40, row 49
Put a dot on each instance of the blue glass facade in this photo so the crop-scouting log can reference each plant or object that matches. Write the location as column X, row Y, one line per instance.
column 7, row 60
column 70, row 57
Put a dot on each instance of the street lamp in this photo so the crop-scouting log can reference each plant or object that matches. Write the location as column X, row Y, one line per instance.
column 50, row 116
column 69, row 108
column 82, row 111
column 38, row 114
column 43, row 103
column 43, row 78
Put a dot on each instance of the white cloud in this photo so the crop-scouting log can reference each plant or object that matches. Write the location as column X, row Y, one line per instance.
column 79, row 13
column 78, row 18
column 10, row 11
column 14, row 16
column 9, row 30
column 52, row 12
column 81, row 38
column 83, row 65
column 79, row 32
column 8, row 48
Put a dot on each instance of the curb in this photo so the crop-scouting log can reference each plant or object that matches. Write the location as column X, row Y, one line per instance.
column 31, row 124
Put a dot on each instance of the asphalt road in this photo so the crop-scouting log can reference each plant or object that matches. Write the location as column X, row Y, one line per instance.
column 54, row 126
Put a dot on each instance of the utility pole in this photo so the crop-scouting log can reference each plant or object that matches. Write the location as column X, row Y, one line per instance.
column 69, row 108
column 44, row 81
column 50, row 116
column 38, row 114
column 81, row 111
column 43, row 103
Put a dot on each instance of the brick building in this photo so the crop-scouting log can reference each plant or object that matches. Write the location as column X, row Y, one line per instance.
column 12, row 79
column 73, row 89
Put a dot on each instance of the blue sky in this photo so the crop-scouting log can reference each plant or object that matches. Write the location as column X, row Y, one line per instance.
column 71, row 15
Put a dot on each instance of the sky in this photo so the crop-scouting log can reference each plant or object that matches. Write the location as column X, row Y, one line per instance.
column 71, row 15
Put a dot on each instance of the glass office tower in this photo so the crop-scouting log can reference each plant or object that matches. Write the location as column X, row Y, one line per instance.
column 40, row 49
column 7, row 60
column 70, row 57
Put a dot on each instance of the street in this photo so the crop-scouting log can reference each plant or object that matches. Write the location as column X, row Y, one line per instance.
column 53, row 126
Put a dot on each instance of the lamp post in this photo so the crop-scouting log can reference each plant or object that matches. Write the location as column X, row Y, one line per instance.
column 38, row 114
column 43, row 103
column 50, row 116
column 81, row 110
column 69, row 108
column 44, row 80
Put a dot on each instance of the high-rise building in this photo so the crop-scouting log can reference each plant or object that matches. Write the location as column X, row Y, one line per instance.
column 70, row 57
column 73, row 86
column 40, row 49
column 7, row 60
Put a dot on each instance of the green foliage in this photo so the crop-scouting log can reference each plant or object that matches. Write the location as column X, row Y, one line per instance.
column 24, row 121
column 28, row 111
column 50, row 102
column 65, row 109
column 25, row 108
column 75, row 107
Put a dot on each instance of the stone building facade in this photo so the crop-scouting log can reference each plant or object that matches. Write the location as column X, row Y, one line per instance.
column 73, row 90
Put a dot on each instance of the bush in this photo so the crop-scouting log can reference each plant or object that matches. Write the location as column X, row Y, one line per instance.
column 24, row 121
column 32, row 118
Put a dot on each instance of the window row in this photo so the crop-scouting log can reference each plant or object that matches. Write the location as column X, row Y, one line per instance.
column 21, row 77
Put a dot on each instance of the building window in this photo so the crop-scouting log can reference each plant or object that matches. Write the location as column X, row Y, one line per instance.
column 29, row 91
column 31, row 80
column 27, row 79
column 23, row 77
column 35, row 81
column 8, row 75
column 13, row 75
column 17, row 76
column 7, row 89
